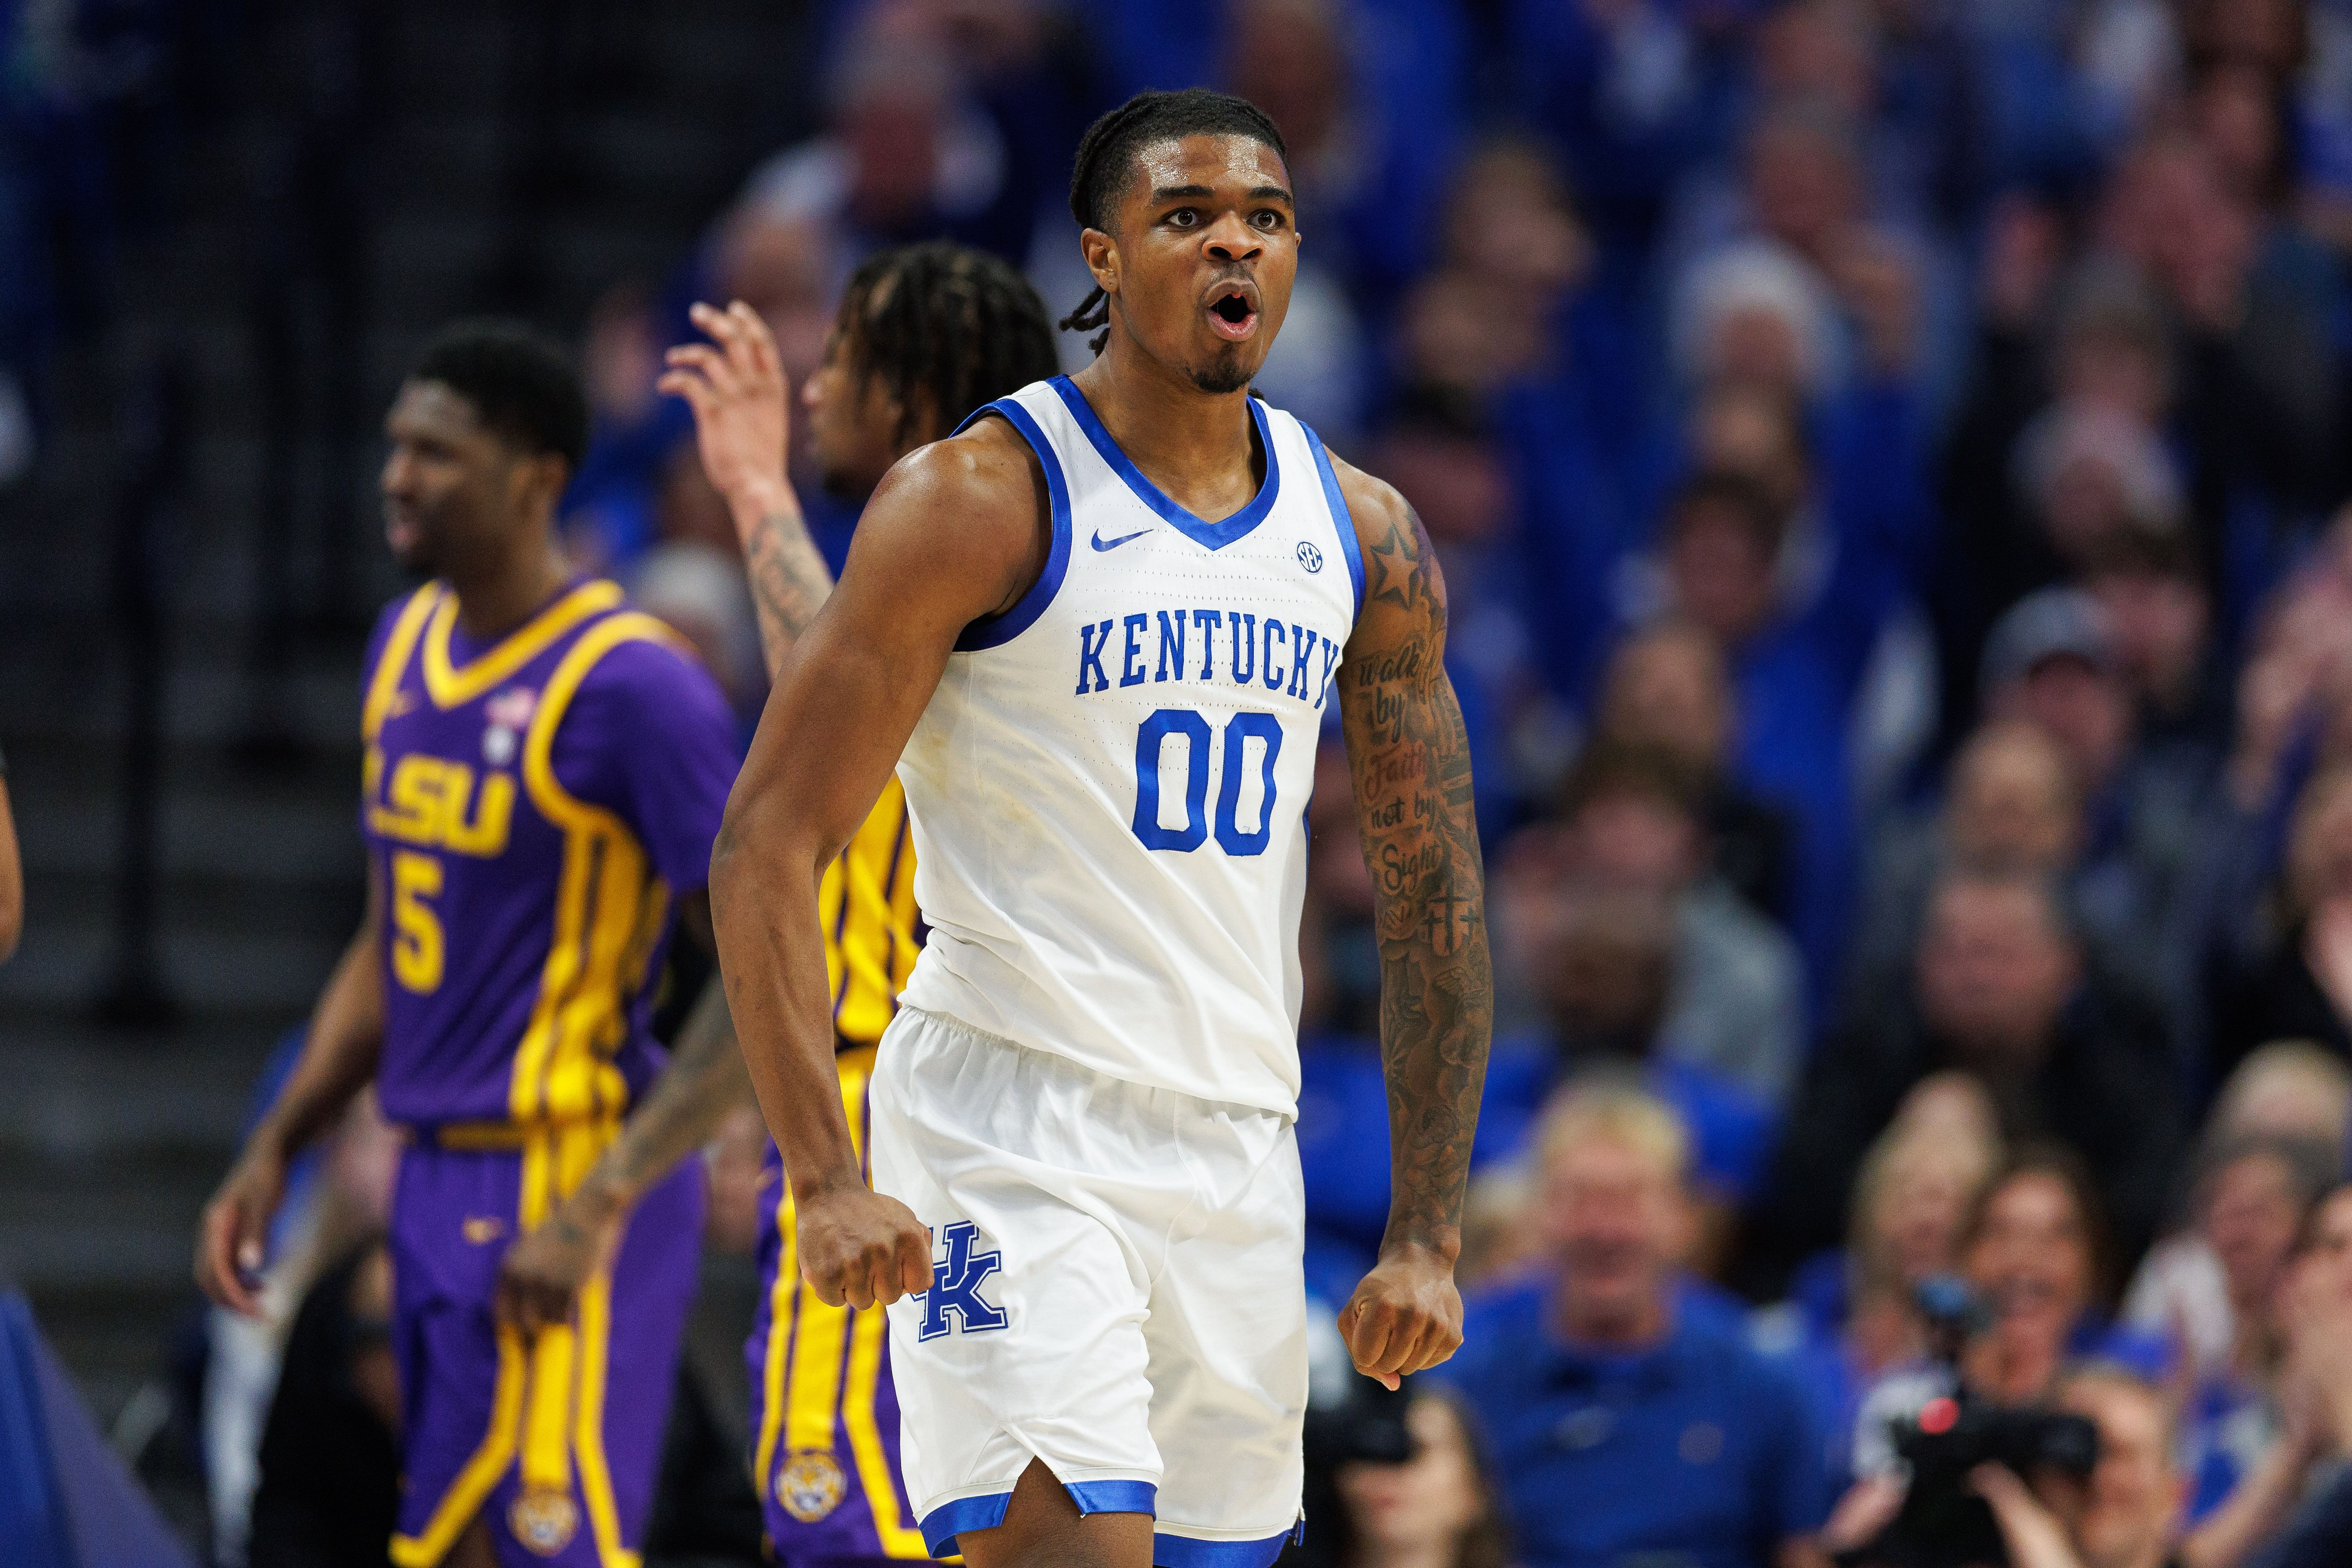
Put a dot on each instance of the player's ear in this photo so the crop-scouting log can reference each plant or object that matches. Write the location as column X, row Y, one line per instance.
column 1101, row 252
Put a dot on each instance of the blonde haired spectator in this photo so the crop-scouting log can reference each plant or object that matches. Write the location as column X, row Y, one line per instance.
column 1629, row 1414
column 2288, row 1093
column 1851, row 1320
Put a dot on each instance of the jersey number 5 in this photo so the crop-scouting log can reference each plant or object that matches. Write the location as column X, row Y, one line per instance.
column 1150, row 745
column 416, row 944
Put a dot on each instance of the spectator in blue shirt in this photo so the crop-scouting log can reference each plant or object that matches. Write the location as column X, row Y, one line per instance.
column 1624, row 1427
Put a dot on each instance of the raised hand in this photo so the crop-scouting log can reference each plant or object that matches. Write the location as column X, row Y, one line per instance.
column 742, row 410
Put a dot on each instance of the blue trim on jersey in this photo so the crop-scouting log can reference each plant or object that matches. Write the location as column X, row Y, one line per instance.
column 1207, row 535
column 1184, row 1551
column 995, row 631
column 1342, row 521
column 942, row 1524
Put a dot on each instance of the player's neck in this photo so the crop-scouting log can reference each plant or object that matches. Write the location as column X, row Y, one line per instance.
column 1182, row 438
column 496, row 597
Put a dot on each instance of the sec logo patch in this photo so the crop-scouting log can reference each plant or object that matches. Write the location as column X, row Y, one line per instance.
column 1309, row 557
column 810, row 1485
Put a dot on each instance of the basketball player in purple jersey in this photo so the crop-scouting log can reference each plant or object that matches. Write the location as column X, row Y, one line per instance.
column 545, row 770
column 925, row 335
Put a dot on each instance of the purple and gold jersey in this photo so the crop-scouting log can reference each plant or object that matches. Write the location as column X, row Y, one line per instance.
column 532, row 808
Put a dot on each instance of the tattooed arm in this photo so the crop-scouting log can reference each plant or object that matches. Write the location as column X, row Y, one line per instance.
column 1409, row 759
column 680, row 1112
column 742, row 416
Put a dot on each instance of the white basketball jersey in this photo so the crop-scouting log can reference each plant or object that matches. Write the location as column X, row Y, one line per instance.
column 1108, row 790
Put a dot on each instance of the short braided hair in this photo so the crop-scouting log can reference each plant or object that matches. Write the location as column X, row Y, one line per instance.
column 1100, row 170
column 959, row 324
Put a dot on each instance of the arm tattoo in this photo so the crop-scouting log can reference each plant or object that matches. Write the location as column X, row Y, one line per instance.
column 1410, row 759
column 704, row 1080
column 789, row 581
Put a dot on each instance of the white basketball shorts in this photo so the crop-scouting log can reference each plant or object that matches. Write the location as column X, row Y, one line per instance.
column 1116, row 1291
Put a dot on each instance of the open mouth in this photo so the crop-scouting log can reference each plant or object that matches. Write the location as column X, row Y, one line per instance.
column 1233, row 312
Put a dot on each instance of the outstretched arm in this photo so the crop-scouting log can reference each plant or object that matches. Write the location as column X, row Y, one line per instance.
column 955, row 532
column 742, row 422
column 1409, row 759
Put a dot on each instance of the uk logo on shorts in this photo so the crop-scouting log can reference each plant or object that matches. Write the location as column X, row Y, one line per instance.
column 955, row 1286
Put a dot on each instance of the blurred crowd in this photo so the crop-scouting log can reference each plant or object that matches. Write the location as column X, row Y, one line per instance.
column 1889, row 462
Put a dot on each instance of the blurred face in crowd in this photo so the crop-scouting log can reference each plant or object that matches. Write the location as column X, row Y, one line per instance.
column 2268, row 34
column 2085, row 503
column 1818, row 49
column 1913, row 1227
column 1603, row 962
column 1425, row 1504
column 783, row 269
column 1635, row 841
column 1455, row 482
column 2251, row 1216
column 1510, row 225
column 1802, row 185
column 2156, row 625
column 1753, row 433
column 1668, row 689
column 1994, row 971
column 2124, row 1515
column 1200, row 268
column 2110, row 366
column 2030, row 1256
column 1619, row 1222
column 2082, row 707
column 1721, row 567
column 2236, row 117
column 891, row 127
column 1755, row 346
column 455, row 493
column 2013, row 803
column 1285, row 58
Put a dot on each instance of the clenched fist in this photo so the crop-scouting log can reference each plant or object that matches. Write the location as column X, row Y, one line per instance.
column 1405, row 1316
column 862, row 1248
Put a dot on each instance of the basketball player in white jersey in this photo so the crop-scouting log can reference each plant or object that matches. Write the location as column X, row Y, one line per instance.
column 1097, row 633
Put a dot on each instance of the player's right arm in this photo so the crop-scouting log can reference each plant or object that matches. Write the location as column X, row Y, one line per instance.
column 742, row 422
column 338, row 1060
column 956, row 532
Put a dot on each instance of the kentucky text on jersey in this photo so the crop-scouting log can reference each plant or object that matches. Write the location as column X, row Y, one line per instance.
column 1143, row 720
column 1242, row 649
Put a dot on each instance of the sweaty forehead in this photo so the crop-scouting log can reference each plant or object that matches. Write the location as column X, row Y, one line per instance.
column 1228, row 163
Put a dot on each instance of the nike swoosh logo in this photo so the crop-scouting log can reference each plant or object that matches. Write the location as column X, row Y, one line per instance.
column 1099, row 543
